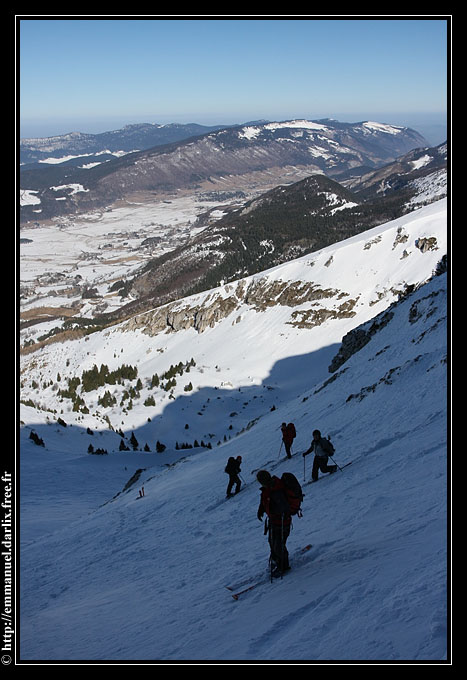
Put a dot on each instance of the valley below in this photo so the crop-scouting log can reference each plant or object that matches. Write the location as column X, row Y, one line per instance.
column 69, row 264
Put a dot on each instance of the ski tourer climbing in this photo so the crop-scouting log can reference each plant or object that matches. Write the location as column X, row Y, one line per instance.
column 288, row 435
column 323, row 449
column 274, row 503
column 233, row 470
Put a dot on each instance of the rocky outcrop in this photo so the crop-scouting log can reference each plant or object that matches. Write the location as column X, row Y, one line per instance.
column 259, row 294
column 357, row 338
column 308, row 318
column 426, row 244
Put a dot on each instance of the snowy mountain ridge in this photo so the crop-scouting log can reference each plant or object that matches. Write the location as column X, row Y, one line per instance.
column 108, row 575
column 232, row 158
column 78, row 145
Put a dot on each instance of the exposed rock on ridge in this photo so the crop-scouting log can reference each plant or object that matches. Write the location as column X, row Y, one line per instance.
column 259, row 294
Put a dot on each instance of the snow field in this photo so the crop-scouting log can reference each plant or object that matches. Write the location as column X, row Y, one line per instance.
column 118, row 577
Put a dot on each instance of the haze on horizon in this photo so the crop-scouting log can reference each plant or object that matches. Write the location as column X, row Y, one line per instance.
column 95, row 75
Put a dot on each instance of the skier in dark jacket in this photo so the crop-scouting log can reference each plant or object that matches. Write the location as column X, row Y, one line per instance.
column 288, row 435
column 274, row 503
column 323, row 449
column 233, row 470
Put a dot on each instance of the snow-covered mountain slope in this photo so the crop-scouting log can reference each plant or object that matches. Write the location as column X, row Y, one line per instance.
column 304, row 305
column 420, row 177
column 109, row 575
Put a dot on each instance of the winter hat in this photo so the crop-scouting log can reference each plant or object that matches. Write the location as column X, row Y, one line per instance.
column 263, row 477
column 239, row 458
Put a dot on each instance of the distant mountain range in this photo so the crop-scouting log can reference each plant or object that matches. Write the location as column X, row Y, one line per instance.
column 259, row 155
column 78, row 148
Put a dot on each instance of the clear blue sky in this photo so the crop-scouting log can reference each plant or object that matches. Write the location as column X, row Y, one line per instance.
column 99, row 74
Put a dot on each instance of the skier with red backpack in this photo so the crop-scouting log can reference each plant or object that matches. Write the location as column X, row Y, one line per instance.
column 280, row 499
column 288, row 435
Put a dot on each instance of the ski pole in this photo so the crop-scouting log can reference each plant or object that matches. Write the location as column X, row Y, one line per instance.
column 282, row 546
column 280, row 449
column 329, row 439
column 270, row 548
column 336, row 463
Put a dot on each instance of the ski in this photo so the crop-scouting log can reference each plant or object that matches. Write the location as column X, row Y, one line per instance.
column 284, row 460
column 264, row 580
column 266, row 464
column 241, row 592
column 299, row 551
column 272, row 464
column 341, row 467
column 235, row 493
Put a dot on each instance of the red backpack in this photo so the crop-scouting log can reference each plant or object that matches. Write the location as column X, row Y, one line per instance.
column 293, row 492
column 291, row 430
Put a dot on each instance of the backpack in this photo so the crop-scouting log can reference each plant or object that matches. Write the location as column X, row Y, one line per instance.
column 231, row 467
column 328, row 446
column 291, row 430
column 293, row 492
